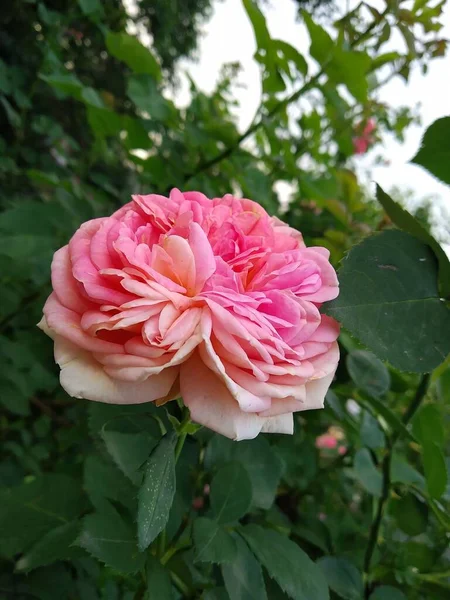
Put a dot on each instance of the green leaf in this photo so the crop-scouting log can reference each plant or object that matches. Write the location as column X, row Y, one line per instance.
column 434, row 153
column 137, row 135
column 342, row 577
column 367, row 473
column 260, row 460
column 231, row 493
column 143, row 91
column 53, row 546
column 368, row 373
column 212, row 543
column 387, row 592
column 66, row 83
column 419, row 555
column 103, row 480
column 371, row 433
column 285, row 562
column 389, row 300
column 129, row 440
column 91, row 7
column 408, row 223
column 30, row 510
column 103, row 122
column 129, row 50
column 258, row 22
column 111, row 540
column 383, row 59
column 435, row 468
column 428, row 425
column 403, row 472
column 129, row 451
column 291, row 54
column 70, row 85
column 388, row 415
column 114, row 415
column 341, row 66
column 243, row 577
column 156, row 493
column 410, row 513
column 316, row 534
column 159, row 586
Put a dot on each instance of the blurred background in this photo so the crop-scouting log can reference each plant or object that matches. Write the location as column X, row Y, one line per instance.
column 297, row 104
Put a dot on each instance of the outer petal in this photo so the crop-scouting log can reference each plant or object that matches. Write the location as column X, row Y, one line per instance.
column 83, row 377
column 316, row 391
column 64, row 284
column 281, row 424
column 66, row 323
column 212, row 405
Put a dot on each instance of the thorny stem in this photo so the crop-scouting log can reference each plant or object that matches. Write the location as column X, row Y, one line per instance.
column 386, row 472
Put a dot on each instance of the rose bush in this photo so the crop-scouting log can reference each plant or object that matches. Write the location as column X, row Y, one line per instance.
column 211, row 299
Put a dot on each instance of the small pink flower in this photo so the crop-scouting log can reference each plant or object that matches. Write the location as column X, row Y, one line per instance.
column 78, row 35
column 211, row 299
column 326, row 441
column 360, row 145
column 198, row 503
column 206, row 489
column 362, row 142
column 342, row 450
column 370, row 127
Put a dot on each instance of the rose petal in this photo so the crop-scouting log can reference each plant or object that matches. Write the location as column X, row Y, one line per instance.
column 211, row 405
column 83, row 377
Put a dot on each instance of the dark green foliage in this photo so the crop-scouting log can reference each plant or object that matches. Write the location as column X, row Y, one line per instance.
column 434, row 154
column 156, row 492
column 95, row 502
column 394, row 289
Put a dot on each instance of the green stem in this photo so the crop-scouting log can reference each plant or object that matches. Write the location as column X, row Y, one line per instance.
column 386, row 471
column 161, row 544
column 182, row 433
column 433, row 576
column 174, row 550
column 179, row 583
column 179, row 445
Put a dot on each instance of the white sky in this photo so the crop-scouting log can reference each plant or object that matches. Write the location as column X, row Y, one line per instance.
column 228, row 37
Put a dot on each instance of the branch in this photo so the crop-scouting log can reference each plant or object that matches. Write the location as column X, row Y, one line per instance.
column 255, row 125
column 386, row 470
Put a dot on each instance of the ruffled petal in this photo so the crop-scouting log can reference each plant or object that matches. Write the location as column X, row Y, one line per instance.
column 83, row 377
column 211, row 405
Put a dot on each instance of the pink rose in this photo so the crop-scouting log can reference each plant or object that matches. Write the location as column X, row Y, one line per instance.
column 362, row 142
column 326, row 442
column 213, row 299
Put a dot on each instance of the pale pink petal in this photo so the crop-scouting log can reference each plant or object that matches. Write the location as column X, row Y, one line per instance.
column 83, row 377
column 205, row 263
column 211, row 405
column 183, row 261
column 284, row 406
column 316, row 391
column 64, row 285
column 280, row 424
column 66, row 323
